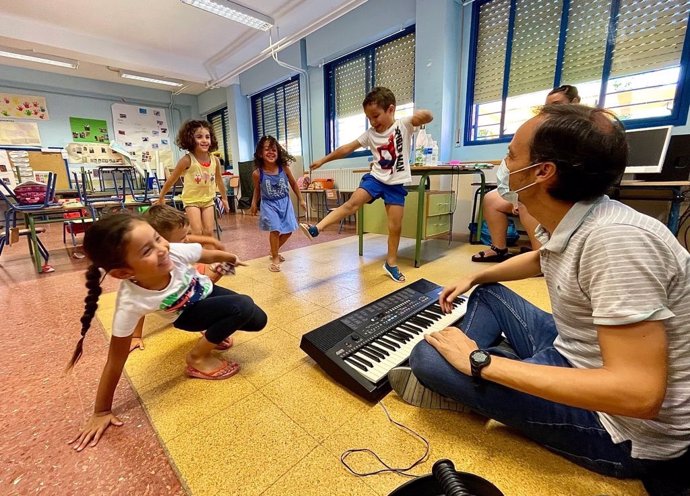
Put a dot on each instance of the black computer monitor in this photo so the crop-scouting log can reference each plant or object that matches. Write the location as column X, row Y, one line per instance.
column 647, row 149
column 677, row 162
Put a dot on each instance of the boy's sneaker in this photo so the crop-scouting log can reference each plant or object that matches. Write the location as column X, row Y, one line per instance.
column 309, row 231
column 411, row 391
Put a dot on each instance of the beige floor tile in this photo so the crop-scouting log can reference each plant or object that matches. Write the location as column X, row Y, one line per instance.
column 371, row 429
column 162, row 359
column 330, row 404
column 240, row 451
column 257, row 290
column 309, row 322
column 271, row 354
column 318, row 474
column 323, row 293
column 177, row 405
column 284, row 309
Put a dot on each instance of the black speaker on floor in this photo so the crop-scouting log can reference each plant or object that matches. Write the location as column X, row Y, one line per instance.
column 677, row 162
column 446, row 481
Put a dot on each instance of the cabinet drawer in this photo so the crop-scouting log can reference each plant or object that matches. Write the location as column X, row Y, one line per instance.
column 438, row 224
column 438, row 203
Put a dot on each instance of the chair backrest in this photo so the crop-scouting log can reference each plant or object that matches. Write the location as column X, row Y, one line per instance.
column 13, row 202
column 332, row 198
column 246, row 184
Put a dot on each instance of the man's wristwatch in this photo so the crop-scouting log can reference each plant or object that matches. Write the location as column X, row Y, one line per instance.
column 478, row 360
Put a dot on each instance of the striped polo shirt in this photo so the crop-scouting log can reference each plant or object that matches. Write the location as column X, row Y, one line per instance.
column 607, row 264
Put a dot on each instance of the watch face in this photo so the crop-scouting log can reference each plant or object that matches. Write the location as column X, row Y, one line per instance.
column 480, row 357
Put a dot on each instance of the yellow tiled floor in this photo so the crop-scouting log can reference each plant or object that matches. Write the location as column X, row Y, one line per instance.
column 280, row 426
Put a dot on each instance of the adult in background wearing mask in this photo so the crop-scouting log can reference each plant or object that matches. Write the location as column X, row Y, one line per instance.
column 603, row 381
column 497, row 208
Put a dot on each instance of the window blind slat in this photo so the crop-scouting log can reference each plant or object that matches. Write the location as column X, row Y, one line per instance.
column 394, row 64
column 585, row 42
column 491, row 51
column 277, row 113
column 649, row 36
column 535, row 46
column 350, row 86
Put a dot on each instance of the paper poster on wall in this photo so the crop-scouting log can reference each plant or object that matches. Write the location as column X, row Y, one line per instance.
column 144, row 133
column 19, row 133
column 95, row 154
column 23, row 106
column 89, row 130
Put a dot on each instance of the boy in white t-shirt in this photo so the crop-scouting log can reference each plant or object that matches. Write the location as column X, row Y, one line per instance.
column 389, row 142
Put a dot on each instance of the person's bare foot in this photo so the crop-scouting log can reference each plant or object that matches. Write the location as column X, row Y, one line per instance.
column 207, row 364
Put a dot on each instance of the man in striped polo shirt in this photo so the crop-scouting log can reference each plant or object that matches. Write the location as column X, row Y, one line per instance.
column 604, row 380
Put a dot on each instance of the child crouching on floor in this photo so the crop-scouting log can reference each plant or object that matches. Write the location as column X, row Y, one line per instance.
column 157, row 276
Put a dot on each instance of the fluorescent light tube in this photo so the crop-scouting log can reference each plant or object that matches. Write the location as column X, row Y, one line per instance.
column 31, row 56
column 234, row 12
column 149, row 78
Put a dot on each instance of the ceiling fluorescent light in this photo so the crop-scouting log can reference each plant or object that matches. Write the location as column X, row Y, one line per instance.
column 31, row 56
column 234, row 12
column 149, row 78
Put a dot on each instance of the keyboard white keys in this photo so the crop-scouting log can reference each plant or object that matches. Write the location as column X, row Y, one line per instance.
column 374, row 360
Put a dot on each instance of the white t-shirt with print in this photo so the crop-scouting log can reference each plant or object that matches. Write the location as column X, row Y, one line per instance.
column 391, row 150
column 186, row 286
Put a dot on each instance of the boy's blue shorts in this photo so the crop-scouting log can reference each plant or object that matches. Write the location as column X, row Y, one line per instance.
column 392, row 194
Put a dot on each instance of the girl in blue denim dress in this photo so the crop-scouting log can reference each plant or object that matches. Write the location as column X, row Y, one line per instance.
column 272, row 180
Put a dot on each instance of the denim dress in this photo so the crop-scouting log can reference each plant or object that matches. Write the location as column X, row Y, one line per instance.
column 277, row 213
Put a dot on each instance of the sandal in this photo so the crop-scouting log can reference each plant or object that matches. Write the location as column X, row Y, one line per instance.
column 280, row 257
column 501, row 255
column 394, row 272
column 226, row 370
column 274, row 267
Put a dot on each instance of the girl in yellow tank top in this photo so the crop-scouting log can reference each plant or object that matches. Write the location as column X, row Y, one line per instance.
column 201, row 176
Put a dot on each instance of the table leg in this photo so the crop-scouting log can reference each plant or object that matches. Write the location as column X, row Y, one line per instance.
column 35, row 252
column 674, row 212
column 480, row 211
column 360, row 229
column 420, row 220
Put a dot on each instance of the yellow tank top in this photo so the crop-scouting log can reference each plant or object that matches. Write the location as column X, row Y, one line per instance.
column 199, row 181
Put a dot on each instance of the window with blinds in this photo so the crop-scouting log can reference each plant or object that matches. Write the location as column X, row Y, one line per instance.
column 388, row 63
column 626, row 55
column 220, row 122
column 276, row 112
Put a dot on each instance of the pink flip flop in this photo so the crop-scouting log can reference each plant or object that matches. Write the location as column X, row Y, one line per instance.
column 225, row 371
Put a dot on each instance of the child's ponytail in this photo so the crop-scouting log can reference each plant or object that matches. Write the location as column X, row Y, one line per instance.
column 93, row 285
column 105, row 243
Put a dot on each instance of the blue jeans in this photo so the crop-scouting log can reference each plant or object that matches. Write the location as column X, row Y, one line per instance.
column 574, row 433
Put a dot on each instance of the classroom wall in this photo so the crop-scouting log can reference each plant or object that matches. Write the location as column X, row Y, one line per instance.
column 68, row 96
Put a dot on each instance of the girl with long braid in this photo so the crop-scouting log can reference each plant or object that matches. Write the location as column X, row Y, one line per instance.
column 157, row 276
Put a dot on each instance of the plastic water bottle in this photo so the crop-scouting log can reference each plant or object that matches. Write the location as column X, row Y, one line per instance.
column 428, row 150
column 420, row 144
column 434, row 153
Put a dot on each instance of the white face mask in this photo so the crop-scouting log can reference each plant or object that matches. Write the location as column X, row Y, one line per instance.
column 503, row 182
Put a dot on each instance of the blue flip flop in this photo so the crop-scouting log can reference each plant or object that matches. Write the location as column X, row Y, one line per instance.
column 393, row 272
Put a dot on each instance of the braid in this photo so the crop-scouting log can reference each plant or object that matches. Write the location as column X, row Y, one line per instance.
column 93, row 285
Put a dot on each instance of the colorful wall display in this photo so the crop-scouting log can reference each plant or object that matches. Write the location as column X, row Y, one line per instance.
column 93, row 154
column 88, row 130
column 23, row 106
column 144, row 133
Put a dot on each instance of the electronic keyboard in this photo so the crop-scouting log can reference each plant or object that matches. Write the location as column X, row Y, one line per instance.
column 359, row 349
